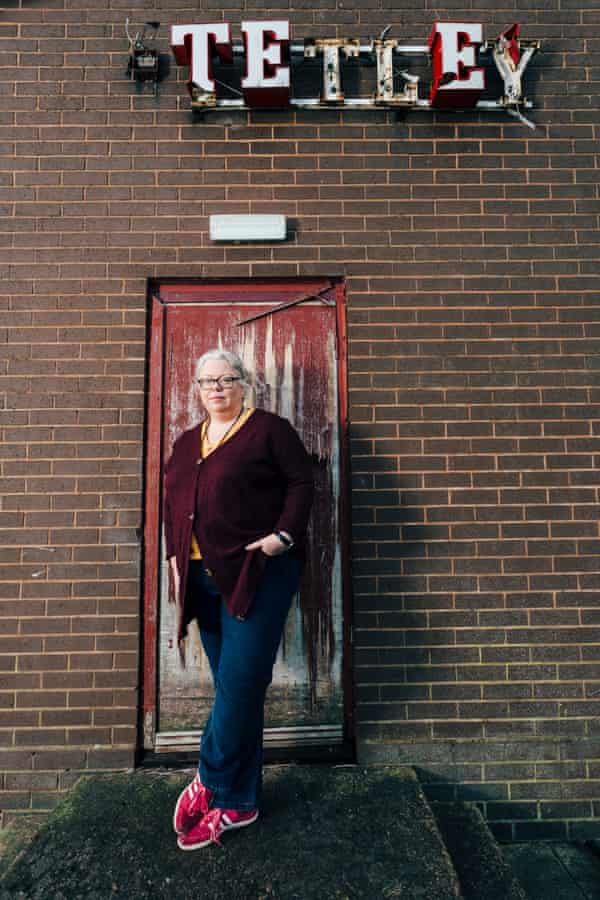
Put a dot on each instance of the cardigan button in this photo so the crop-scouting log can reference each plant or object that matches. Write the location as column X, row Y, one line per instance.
column 191, row 516
column 199, row 461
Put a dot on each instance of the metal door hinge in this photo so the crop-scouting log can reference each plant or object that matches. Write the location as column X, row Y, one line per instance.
column 149, row 730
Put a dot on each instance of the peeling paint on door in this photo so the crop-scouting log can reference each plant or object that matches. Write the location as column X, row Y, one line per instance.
column 292, row 357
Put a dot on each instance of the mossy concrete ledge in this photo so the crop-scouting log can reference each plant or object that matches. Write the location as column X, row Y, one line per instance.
column 324, row 832
column 478, row 860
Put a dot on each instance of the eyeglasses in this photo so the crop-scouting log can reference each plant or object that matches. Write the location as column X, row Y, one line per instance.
column 223, row 382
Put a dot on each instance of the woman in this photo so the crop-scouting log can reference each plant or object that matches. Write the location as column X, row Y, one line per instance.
column 237, row 502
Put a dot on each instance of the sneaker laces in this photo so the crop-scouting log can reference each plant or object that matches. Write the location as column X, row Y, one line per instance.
column 212, row 819
column 197, row 794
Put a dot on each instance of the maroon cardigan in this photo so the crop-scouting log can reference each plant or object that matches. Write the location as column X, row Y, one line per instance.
column 257, row 482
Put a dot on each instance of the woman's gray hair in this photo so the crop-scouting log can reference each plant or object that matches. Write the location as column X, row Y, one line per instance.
column 231, row 359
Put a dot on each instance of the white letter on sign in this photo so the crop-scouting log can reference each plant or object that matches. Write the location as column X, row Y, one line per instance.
column 267, row 79
column 456, row 81
column 196, row 45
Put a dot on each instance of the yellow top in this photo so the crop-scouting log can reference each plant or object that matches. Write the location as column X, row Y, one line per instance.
column 205, row 450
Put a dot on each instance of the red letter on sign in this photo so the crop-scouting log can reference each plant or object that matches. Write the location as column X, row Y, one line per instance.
column 457, row 83
column 267, row 79
column 196, row 45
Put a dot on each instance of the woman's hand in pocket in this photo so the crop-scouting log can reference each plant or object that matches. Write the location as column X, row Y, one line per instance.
column 173, row 594
column 270, row 545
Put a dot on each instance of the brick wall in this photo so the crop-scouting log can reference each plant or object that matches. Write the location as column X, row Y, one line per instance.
column 469, row 245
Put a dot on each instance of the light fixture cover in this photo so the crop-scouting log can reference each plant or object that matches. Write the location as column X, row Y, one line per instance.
column 247, row 228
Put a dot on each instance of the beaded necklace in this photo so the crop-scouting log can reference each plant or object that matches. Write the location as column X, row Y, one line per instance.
column 204, row 434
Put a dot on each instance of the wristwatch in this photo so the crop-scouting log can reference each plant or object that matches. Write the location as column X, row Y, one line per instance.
column 285, row 540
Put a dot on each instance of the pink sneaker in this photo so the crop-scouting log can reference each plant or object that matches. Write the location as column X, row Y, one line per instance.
column 192, row 804
column 211, row 827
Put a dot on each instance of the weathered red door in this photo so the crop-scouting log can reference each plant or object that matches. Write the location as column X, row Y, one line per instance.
column 289, row 336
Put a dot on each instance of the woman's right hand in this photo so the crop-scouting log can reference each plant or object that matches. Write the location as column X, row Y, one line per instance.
column 174, row 594
column 173, row 598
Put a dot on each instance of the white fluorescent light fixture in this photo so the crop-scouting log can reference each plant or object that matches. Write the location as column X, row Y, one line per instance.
column 247, row 228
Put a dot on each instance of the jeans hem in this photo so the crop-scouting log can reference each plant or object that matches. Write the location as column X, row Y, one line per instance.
column 218, row 801
column 240, row 807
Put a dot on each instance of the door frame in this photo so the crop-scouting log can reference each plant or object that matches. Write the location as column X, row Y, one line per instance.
column 168, row 292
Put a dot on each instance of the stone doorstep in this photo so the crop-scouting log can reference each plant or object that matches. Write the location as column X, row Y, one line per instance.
column 481, row 866
column 16, row 837
column 326, row 831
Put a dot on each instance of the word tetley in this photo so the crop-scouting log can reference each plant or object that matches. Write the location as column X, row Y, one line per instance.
column 452, row 47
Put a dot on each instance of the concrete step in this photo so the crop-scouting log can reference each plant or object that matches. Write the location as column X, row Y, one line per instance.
column 557, row 870
column 340, row 832
column 482, row 868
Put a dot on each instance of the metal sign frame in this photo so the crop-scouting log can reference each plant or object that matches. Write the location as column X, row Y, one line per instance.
column 452, row 49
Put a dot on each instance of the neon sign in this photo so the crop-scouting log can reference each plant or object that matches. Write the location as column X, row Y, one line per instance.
column 269, row 55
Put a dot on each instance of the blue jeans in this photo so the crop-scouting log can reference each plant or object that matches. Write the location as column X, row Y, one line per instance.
column 241, row 654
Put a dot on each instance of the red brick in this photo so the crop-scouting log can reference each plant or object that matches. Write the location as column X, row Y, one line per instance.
column 469, row 247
